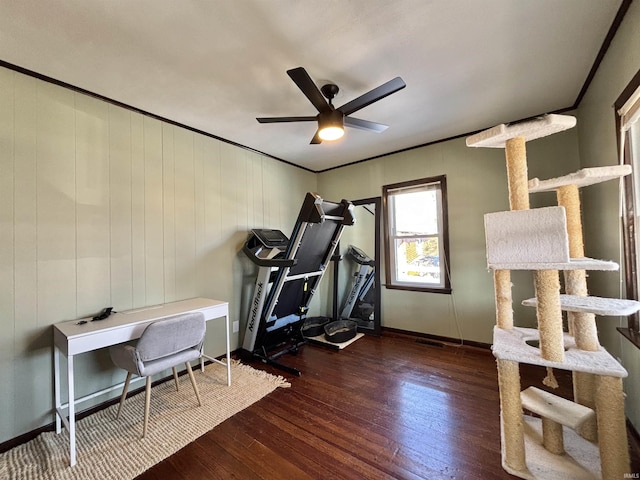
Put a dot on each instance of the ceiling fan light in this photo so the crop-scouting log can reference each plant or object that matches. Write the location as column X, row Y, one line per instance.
column 331, row 133
column 331, row 125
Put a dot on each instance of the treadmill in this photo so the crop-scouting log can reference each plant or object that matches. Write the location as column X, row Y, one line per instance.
column 289, row 273
column 358, row 304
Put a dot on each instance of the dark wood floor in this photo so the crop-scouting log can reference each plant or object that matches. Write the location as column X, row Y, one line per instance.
column 392, row 407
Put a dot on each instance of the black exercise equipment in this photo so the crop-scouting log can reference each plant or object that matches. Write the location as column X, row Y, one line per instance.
column 359, row 303
column 289, row 273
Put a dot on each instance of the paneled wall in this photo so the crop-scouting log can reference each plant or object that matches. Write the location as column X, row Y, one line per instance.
column 101, row 206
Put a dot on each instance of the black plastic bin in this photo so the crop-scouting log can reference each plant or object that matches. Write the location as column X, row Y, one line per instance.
column 340, row 331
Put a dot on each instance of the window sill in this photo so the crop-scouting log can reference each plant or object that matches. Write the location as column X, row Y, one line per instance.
column 630, row 335
column 418, row 289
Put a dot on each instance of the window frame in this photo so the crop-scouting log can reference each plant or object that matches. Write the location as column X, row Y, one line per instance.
column 443, row 237
column 629, row 226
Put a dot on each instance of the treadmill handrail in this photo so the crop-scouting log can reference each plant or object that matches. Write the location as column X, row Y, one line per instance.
column 268, row 262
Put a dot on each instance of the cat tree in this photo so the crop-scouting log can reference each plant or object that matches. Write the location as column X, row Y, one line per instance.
column 586, row 437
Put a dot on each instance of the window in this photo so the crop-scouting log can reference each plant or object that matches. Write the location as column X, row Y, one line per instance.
column 628, row 120
column 417, row 235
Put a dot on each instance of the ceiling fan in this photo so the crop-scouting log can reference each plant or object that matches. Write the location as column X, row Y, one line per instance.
column 331, row 120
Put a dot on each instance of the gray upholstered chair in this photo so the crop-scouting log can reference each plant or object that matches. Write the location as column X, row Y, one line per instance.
column 164, row 344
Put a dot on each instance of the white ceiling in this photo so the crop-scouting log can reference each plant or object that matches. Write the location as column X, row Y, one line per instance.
column 216, row 65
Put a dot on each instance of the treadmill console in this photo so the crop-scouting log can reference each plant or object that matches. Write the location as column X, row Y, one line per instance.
column 359, row 256
column 271, row 238
column 266, row 248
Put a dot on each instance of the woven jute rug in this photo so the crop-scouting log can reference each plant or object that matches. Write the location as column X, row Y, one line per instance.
column 112, row 449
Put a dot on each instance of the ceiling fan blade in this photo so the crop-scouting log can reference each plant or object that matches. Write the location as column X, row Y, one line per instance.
column 365, row 125
column 374, row 95
column 285, row 119
column 316, row 139
column 309, row 88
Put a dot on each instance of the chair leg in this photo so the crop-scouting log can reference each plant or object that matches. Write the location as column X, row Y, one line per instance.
column 146, row 407
column 124, row 394
column 175, row 377
column 193, row 382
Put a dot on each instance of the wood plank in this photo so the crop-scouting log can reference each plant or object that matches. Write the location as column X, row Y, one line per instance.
column 261, row 460
column 56, row 231
column 185, row 215
column 138, row 258
column 153, row 233
column 212, row 193
column 120, row 208
column 257, row 184
column 199, row 216
column 558, row 409
column 56, row 205
column 7, row 245
column 93, row 267
column 25, row 254
column 168, row 211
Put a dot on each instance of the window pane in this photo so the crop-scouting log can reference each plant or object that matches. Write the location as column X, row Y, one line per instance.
column 418, row 261
column 416, row 213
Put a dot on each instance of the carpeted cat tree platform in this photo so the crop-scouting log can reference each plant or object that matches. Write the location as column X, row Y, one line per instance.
column 569, row 439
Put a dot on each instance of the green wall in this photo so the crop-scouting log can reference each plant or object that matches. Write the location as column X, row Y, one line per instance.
column 101, row 206
column 598, row 146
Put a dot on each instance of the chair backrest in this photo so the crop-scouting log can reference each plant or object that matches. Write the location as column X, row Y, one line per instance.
column 171, row 335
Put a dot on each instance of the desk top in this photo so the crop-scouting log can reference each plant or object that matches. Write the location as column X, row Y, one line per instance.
column 73, row 338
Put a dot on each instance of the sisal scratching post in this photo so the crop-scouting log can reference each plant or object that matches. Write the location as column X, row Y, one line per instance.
column 575, row 280
column 552, row 436
column 569, row 198
column 511, row 412
column 516, row 156
column 584, row 387
column 582, row 325
column 508, row 371
column 575, row 283
column 504, row 302
column 614, row 449
column 585, row 331
column 549, row 315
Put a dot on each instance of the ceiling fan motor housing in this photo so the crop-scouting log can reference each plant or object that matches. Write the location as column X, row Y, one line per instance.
column 334, row 118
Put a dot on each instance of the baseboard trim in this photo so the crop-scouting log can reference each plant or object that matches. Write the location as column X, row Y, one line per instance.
column 437, row 338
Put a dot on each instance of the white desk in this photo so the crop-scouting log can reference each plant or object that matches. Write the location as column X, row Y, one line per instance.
column 72, row 338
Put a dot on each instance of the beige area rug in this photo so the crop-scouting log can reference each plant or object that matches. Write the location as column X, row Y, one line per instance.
column 112, row 449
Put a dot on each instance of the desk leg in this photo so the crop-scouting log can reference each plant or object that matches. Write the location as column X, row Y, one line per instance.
column 228, row 342
column 56, row 387
column 72, row 412
column 226, row 324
